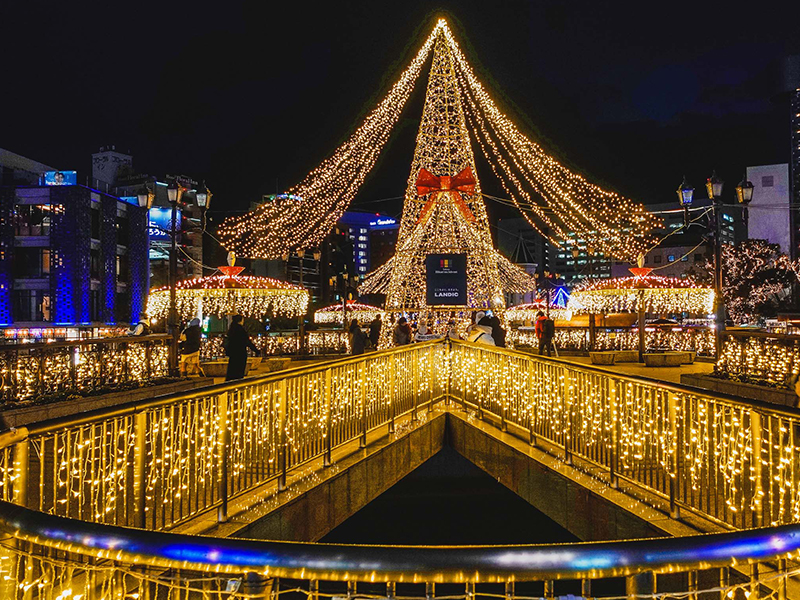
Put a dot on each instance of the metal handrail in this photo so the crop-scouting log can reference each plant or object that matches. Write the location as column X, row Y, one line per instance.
column 136, row 406
column 440, row 564
column 129, row 339
column 778, row 409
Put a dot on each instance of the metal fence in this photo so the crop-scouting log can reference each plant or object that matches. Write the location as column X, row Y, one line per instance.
column 161, row 462
column 29, row 371
column 694, row 339
column 760, row 358
column 734, row 461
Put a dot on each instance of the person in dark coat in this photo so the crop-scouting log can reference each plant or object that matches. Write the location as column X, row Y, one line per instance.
column 498, row 333
column 357, row 338
column 375, row 330
column 402, row 332
column 191, row 337
column 236, row 347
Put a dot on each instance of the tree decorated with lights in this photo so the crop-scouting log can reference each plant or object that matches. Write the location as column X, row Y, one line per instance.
column 440, row 214
column 756, row 279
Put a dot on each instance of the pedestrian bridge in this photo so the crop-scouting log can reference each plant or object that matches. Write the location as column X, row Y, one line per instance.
column 153, row 500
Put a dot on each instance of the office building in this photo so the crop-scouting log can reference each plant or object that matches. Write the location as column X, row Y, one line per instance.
column 70, row 255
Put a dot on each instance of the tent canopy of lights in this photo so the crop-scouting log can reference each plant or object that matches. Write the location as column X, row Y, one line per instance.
column 656, row 294
column 363, row 313
column 229, row 294
column 444, row 209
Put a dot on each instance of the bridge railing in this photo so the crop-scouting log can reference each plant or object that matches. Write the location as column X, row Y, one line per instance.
column 736, row 462
column 158, row 463
column 28, row 371
column 762, row 358
column 60, row 558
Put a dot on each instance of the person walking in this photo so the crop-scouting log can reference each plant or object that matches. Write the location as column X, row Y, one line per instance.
column 402, row 332
column 545, row 331
column 140, row 328
column 375, row 330
column 191, row 338
column 237, row 343
column 357, row 338
column 498, row 333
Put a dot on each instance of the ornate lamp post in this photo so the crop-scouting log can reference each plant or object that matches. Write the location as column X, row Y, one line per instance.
column 175, row 194
column 744, row 195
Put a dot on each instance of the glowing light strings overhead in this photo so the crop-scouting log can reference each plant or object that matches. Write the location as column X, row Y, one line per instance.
column 302, row 218
column 555, row 200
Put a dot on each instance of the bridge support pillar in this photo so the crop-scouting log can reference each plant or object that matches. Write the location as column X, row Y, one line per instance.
column 509, row 590
column 282, row 417
column 327, row 459
column 391, row 590
column 676, row 433
column 139, row 478
column 640, row 584
column 470, row 591
column 430, row 590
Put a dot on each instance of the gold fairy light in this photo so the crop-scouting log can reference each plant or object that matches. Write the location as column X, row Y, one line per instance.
column 556, row 201
column 362, row 313
column 661, row 295
column 221, row 295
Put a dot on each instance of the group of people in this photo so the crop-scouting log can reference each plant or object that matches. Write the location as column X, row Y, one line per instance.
column 237, row 342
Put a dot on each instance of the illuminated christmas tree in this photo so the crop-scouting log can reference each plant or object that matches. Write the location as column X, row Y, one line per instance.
column 555, row 200
column 444, row 212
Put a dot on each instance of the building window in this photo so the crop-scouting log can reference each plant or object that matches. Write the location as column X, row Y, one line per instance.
column 362, row 230
column 32, row 219
column 767, row 181
column 698, row 258
column 671, row 258
column 657, row 259
column 685, row 258
column 123, row 234
column 30, row 305
column 96, row 223
column 31, row 262
column 122, row 268
column 94, row 264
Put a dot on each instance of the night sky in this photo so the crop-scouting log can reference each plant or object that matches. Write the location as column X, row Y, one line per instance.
column 251, row 96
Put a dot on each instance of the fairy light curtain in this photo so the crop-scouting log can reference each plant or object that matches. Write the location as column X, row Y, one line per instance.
column 555, row 200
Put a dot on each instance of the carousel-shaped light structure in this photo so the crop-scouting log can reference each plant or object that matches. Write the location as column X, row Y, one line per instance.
column 655, row 294
column 229, row 294
column 363, row 313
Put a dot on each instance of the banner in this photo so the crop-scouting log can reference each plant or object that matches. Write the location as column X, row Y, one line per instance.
column 61, row 178
column 160, row 223
column 446, row 281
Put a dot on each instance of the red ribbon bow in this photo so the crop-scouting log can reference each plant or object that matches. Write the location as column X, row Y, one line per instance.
column 428, row 183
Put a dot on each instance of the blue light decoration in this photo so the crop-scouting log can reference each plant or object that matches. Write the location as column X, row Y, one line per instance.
column 60, row 178
column 160, row 223
column 561, row 298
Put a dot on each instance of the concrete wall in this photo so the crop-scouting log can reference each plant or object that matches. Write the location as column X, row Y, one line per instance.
column 770, row 190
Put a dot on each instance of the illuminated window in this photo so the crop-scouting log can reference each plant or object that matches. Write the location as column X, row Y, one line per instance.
column 767, row 181
column 671, row 258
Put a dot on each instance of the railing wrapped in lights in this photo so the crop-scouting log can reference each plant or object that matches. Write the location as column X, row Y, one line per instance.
column 30, row 371
column 695, row 339
column 160, row 463
column 760, row 358
column 319, row 341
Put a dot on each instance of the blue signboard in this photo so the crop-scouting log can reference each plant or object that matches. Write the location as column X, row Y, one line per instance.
column 382, row 222
column 61, row 178
column 159, row 222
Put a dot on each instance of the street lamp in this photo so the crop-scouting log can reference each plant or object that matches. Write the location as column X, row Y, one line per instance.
column 714, row 188
column 174, row 194
column 145, row 197
column 685, row 196
column 744, row 194
column 301, row 326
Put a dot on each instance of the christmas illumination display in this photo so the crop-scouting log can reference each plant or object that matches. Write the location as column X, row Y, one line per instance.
column 529, row 312
column 675, row 339
column 362, row 313
column 30, row 371
column 660, row 295
column 759, row 358
column 229, row 294
column 554, row 199
column 756, row 278
column 444, row 214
